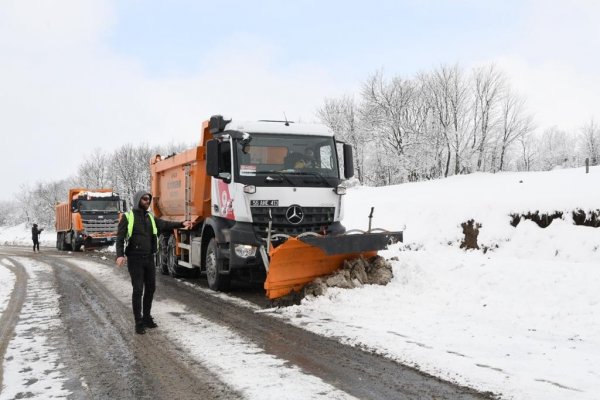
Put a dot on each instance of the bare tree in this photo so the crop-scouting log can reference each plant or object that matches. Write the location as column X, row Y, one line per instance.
column 130, row 169
column 8, row 212
column 385, row 108
column 590, row 141
column 555, row 148
column 489, row 85
column 514, row 124
column 94, row 172
column 528, row 146
column 446, row 93
column 38, row 203
column 397, row 114
column 341, row 116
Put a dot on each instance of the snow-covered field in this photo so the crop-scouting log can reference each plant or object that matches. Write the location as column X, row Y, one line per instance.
column 522, row 320
column 20, row 235
column 31, row 364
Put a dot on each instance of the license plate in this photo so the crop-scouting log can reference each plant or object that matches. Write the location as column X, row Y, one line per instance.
column 264, row 203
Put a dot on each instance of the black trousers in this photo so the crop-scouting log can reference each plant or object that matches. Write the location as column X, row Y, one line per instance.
column 143, row 280
column 36, row 245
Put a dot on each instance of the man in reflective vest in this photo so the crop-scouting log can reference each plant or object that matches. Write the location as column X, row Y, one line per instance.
column 140, row 229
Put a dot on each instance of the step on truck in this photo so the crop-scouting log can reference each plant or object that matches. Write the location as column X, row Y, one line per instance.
column 266, row 199
column 88, row 218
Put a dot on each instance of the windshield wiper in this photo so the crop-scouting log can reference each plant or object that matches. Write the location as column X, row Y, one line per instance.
column 280, row 177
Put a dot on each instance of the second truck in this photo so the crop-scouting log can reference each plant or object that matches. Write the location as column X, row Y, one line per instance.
column 266, row 198
column 88, row 218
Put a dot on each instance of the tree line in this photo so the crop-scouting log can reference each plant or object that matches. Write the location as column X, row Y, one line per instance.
column 445, row 122
column 125, row 170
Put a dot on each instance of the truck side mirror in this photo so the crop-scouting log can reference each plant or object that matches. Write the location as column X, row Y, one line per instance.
column 123, row 206
column 348, row 161
column 212, row 158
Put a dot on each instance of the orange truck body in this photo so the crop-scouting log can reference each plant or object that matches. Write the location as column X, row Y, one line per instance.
column 88, row 218
column 180, row 185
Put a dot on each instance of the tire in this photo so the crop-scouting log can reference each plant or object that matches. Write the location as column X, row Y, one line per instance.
column 161, row 255
column 65, row 245
column 213, row 264
column 74, row 245
column 172, row 267
column 58, row 241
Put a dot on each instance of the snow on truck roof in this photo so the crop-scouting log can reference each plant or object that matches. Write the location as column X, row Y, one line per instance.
column 279, row 127
column 97, row 194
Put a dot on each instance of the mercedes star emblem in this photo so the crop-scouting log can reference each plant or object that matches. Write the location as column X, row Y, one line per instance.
column 294, row 214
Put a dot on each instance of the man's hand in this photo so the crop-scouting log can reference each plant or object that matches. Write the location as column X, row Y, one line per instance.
column 120, row 261
column 187, row 224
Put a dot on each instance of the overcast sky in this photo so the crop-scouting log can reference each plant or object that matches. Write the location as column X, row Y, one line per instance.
column 76, row 75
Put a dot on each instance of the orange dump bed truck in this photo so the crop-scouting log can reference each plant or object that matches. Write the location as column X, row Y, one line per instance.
column 266, row 198
column 89, row 218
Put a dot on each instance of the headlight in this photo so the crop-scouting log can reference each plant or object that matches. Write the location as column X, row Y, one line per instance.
column 244, row 250
column 250, row 189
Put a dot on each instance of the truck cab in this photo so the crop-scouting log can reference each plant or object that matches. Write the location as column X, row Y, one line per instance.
column 89, row 218
column 274, row 179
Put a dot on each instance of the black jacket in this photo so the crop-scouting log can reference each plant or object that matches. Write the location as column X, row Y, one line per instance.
column 35, row 232
column 142, row 242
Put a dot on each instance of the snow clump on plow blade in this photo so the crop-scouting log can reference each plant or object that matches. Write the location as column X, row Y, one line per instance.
column 300, row 260
column 353, row 273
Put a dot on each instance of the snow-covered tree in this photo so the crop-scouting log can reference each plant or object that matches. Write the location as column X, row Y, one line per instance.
column 488, row 87
column 514, row 124
column 130, row 169
column 556, row 149
column 446, row 92
column 590, row 142
column 94, row 172
column 341, row 116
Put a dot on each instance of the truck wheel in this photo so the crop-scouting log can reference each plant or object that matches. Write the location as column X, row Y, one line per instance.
column 66, row 245
column 213, row 263
column 58, row 241
column 172, row 267
column 161, row 255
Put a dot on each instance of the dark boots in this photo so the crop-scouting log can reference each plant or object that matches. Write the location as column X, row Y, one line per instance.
column 142, row 324
column 149, row 322
column 139, row 327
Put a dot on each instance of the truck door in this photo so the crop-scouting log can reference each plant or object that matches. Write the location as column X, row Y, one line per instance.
column 222, row 193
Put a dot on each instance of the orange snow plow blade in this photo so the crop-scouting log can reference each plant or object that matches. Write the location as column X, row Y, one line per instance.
column 299, row 261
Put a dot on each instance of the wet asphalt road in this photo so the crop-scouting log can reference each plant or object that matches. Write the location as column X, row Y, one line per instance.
column 149, row 366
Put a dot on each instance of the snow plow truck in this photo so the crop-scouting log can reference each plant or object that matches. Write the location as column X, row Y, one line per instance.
column 89, row 218
column 266, row 199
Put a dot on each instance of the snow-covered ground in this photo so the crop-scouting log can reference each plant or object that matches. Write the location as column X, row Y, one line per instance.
column 20, row 235
column 31, row 366
column 522, row 320
column 8, row 282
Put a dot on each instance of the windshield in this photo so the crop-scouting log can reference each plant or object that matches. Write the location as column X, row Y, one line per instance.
column 99, row 205
column 279, row 154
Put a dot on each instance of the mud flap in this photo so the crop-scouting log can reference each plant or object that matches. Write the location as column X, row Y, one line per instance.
column 299, row 261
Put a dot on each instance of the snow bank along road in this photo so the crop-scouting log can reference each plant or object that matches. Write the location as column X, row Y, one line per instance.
column 66, row 330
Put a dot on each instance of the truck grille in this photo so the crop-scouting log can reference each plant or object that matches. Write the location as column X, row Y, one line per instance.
column 314, row 219
column 106, row 225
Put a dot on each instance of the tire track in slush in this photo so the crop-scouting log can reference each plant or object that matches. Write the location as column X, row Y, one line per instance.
column 32, row 364
column 10, row 316
column 117, row 363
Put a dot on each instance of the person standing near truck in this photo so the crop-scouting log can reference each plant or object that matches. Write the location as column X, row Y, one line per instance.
column 140, row 229
column 35, row 236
